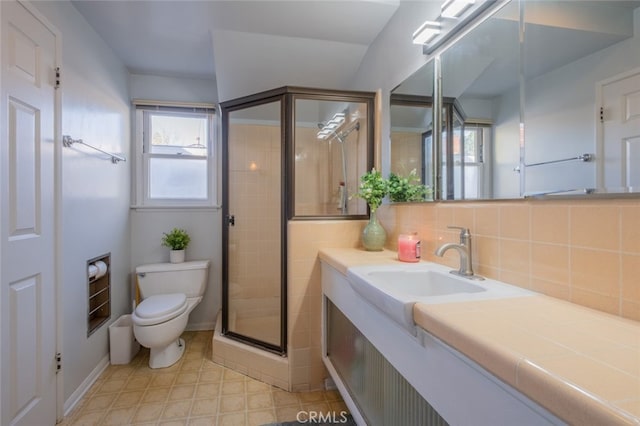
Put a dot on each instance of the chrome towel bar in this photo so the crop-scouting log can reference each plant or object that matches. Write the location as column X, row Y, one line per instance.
column 583, row 157
column 67, row 141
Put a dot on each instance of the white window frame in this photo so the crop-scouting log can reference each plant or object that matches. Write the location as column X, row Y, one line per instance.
column 483, row 166
column 142, row 155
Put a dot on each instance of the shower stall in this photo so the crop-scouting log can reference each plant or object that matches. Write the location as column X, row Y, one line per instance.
column 287, row 154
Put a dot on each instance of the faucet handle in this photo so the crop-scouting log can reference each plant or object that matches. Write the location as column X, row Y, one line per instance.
column 465, row 234
column 462, row 229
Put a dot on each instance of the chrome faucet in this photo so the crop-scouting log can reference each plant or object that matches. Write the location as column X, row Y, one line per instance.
column 464, row 250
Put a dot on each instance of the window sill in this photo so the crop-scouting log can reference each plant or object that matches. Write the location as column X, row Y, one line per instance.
column 161, row 208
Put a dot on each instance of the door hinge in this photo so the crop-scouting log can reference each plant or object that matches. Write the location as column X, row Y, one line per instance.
column 57, row 85
column 602, row 114
column 58, row 362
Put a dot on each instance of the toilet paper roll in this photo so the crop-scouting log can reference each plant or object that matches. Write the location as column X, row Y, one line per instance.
column 92, row 270
column 102, row 268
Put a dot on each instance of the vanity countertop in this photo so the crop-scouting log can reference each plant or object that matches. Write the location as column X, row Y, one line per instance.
column 343, row 258
column 581, row 364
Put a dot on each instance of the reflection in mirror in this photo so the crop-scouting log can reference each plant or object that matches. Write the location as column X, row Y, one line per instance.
column 481, row 73
column 411, row 139
column 558, row 113
column 580, row 57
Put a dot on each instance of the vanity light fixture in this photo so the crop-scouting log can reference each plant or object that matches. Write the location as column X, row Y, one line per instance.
column 454, row 15
column 426, row 32
column 455, row 8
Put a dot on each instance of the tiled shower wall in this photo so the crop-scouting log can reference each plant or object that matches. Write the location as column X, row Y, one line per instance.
column 406, row 151
column 254, row 241
column 585, row 252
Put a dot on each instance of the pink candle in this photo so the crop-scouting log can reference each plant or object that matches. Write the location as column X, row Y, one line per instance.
column 408, row 248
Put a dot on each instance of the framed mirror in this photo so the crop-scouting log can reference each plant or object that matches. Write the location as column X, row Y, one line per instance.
column 555, row 111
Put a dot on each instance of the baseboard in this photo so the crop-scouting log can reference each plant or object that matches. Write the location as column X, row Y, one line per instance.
column 77, row 395
column 201, row 326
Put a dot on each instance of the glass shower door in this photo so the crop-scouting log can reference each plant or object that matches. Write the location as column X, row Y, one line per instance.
column 253, row 231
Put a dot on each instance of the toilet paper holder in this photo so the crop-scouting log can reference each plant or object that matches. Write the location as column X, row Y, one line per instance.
column 99, row 292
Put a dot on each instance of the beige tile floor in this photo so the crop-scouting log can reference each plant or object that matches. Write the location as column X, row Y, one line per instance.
column 194, row 391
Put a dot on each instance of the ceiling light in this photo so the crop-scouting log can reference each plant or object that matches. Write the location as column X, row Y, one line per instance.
column 455, row 8
column 330, row 126
column 426, row 32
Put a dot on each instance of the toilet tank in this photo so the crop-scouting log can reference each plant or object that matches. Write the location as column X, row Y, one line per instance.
column 189, row 278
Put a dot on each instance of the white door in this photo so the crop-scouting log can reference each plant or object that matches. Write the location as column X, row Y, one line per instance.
column 27, row 270
column 620, row 144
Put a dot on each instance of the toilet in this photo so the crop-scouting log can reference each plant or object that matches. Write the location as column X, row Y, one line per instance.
column 168, row 292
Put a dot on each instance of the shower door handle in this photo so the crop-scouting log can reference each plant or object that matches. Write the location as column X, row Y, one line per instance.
column 231, row 219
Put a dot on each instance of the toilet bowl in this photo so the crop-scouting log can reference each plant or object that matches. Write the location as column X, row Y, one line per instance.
column 163, row 313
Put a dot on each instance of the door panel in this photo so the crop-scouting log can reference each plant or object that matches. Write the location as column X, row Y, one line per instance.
column 23, row 167
column 621, row 133
column 253, row 281
column 632, row 163
column 28, row 289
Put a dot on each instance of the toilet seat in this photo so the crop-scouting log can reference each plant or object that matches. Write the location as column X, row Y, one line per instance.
column 159, row 308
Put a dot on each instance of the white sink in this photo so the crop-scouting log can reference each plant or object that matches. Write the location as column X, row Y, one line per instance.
column 395, row 288
column 420, row 283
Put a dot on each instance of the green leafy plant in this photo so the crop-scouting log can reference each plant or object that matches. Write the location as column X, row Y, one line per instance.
column 373, row 188
column 177, row 239
column 409, row 188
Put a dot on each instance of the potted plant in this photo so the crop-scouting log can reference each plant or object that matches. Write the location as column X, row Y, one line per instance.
column 177, row 240
column 406, row 189
column 373, row 188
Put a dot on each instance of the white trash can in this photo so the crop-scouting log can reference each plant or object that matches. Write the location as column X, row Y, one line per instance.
column 123, row 345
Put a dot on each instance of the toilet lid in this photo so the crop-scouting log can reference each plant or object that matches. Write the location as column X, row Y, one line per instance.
column 160, row 308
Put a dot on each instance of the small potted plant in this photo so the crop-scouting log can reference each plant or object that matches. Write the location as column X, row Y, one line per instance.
column 177, row 240
column 373, row 188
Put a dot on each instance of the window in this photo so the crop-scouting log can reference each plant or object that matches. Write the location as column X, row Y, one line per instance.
column 476, row 138
column 175, row 156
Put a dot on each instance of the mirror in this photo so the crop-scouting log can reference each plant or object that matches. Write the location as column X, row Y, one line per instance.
column 481, row 72
column 411, row 122
column 411, row 150
column 591, row 60
column 526, row 117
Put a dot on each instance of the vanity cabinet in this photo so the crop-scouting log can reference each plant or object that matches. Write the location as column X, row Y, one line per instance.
column 387, row 375
column 382, row 394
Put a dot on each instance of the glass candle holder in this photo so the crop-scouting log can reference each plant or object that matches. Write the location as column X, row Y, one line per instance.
column 409, row 248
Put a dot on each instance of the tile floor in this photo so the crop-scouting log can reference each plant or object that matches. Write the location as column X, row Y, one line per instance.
column 194, row 391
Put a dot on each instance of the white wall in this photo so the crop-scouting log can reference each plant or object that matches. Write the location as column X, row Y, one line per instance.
column 203, row 225
column 160, row 88
column 95, row 192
